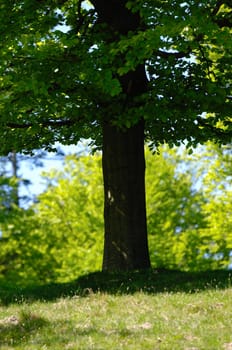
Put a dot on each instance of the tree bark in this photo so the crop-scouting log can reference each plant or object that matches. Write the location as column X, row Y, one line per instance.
column 125, row 245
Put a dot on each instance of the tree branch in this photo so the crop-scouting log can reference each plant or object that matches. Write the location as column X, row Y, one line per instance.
column 222, row 21
column 55, row 123
column 177, row 55
column 218, row 132
column 217, row 7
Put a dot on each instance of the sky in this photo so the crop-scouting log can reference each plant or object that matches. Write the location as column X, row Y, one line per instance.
column 29, row 171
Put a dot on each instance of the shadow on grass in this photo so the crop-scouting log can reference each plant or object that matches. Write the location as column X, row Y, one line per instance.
column 149, row 281
column 15, row 330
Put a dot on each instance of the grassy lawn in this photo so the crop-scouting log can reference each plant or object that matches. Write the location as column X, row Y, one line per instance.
column 150, row 310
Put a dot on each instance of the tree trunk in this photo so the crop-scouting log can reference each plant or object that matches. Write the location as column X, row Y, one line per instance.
column 125, row 245
column 14, row 163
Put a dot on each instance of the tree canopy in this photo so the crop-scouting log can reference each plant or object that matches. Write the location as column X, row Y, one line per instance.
column 116, row 72
column 62, row 70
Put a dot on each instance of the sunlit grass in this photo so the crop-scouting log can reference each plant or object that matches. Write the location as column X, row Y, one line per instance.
column 167, row 320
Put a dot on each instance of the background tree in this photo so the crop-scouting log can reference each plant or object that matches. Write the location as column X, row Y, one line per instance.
column 70, row 213
column 122, row 70
column 217, row 185
column 174, row 212
column 60, row 236
column 189, row 208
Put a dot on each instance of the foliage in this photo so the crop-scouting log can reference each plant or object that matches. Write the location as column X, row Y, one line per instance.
column 71, row 216
column 217, row 184
column 174, row 213
column 23, row 252
column 61, row 236
column 189, row 209
column 67, row 69
column 62, row 71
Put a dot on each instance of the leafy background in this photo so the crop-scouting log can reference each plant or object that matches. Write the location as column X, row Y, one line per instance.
column 60, row 236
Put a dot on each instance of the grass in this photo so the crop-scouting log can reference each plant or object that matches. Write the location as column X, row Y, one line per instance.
column 141, row 310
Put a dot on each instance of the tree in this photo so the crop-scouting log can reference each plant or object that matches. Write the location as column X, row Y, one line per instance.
column 121, row 71
column 60, row 237
column 174, row 212
column 189, row 213
column 217, row 185
column 70, row 213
